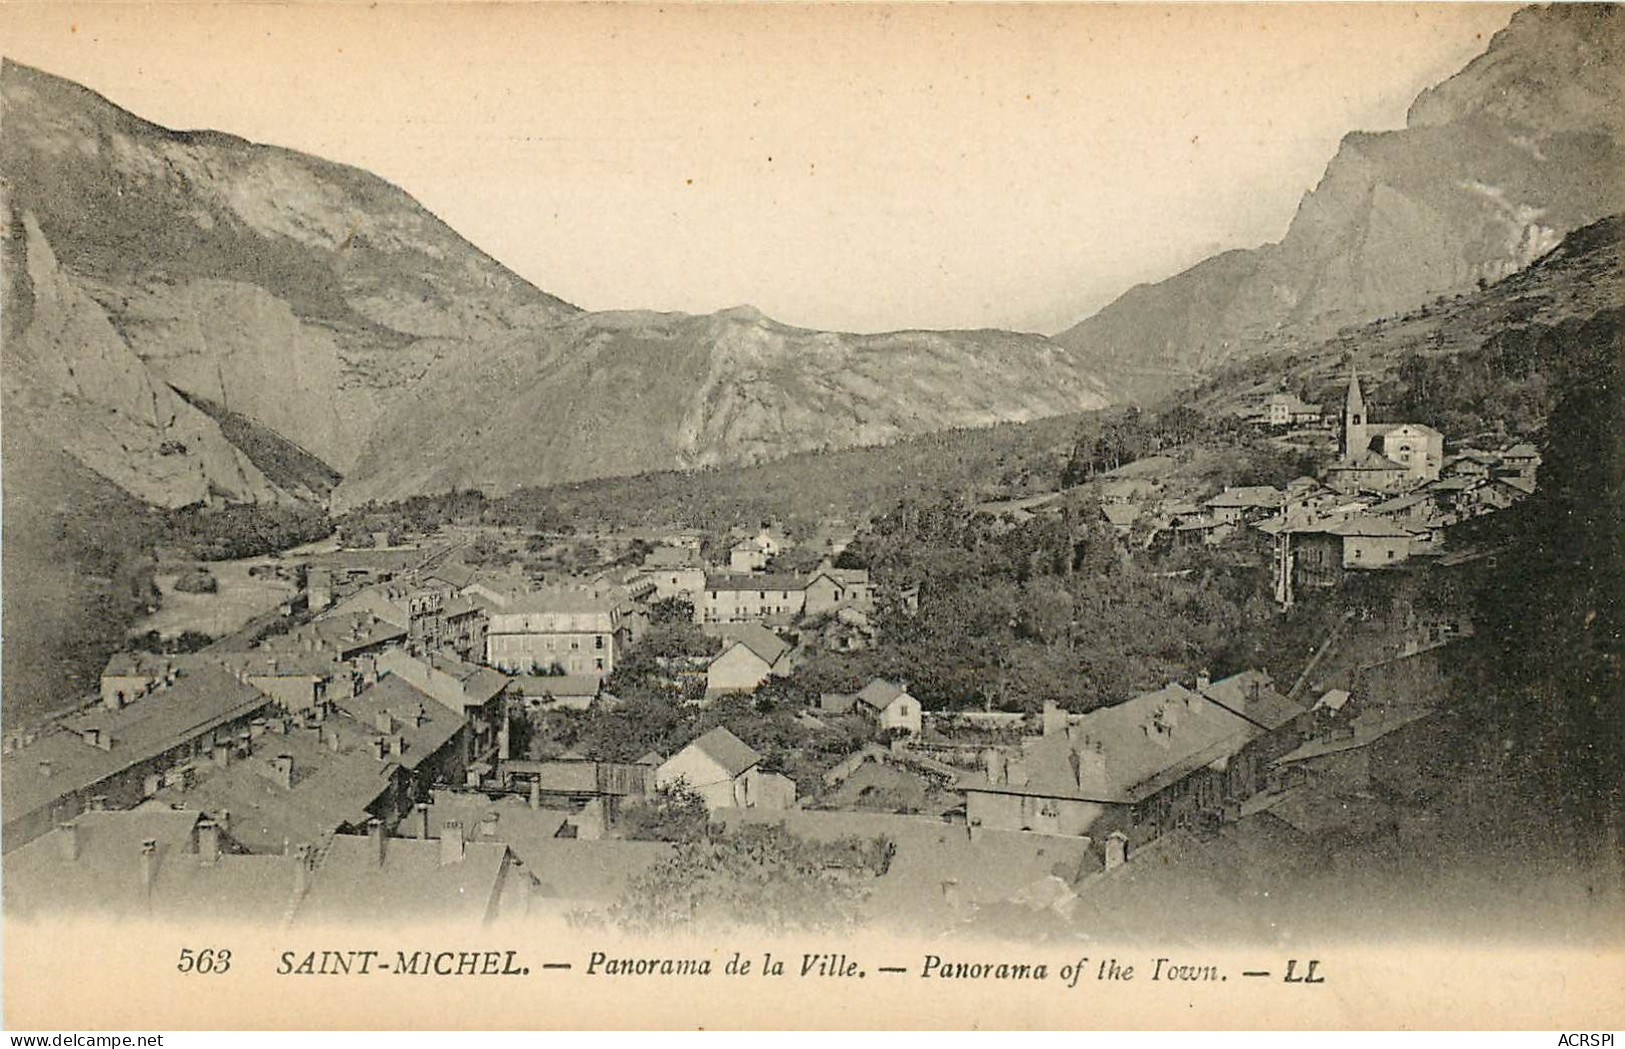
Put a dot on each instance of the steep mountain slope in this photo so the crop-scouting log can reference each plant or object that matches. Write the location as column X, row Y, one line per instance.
column 1498, row 346
column 611, row 394
column 1493, row 167
column 299, row 294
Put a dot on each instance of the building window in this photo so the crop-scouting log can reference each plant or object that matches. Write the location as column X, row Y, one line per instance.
column 598, row 642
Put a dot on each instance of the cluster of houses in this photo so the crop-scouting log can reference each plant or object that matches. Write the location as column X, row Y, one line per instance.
column 368, row 803
column 274, row 762
column 359, row 764
column 1390, row 494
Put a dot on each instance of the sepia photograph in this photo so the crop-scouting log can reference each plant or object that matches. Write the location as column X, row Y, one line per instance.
column 812, row 516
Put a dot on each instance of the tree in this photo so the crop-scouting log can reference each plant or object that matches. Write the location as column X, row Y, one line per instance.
column 676, row 812
column 197, row 581
column 760, row 876
column 671, row 610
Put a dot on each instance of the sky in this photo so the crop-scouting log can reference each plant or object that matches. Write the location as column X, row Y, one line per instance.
column 858, row 168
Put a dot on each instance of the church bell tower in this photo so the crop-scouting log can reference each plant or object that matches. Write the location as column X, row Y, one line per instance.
column 1356, row 439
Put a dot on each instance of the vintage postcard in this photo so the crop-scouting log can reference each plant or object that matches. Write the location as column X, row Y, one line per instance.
column 812, row 516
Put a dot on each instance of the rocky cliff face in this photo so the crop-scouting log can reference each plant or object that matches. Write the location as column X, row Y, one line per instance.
column 1494, row 166
column 171, row 292
column 301, row 295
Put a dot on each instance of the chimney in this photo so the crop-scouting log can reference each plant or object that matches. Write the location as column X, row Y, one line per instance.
column 223, row 818
column 208, row 842
column 420, row 820
column 488, row 826
column 220, row 753
column 375, row 831
column 1116, row 849
column 1091, row 769
column 993, row 761
column 98, row 803
column 45, row 768
column 1054, row 718
column 68, row 836
column 149, row 865
column 256, row 728
column 383, row 722
column 397, row 745
column 535, row 793
column 301, row 871
column 1203, row 681
column 451, row 843
column 283, row 764
column 380, row 748
column 93, row 736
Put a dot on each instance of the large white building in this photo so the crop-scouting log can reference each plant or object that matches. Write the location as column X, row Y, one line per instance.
column 571, row 629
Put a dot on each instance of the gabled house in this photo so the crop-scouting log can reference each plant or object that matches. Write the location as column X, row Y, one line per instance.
column 1287, row 409
column 475, row 693
column 150, row 864
column 888, row 705
column 119, row 756
column 1247, row 504
column 830, row 588
column 751, row 654
column 719, row 767
column 1137, row 769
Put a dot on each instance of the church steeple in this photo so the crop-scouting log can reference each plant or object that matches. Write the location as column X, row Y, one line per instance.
column 1355, row 438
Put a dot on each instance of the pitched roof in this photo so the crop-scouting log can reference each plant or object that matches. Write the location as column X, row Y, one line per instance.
column 340, row 631
column 1401, row 503
column 1521, row 484
column 106, row 875
column 203, row 697
column 571, row 869
column 767, row 645
column 880, row 693
column 1130, row 751
column 559, row 599
column 763, row 581
column 411, row 883
column 1521, row 451
column 1248, row 497
column 1366, row 460
column 1370, row 527
column 1333, row 699
column 516, row 824
column 1252, row 695
column 1367, row 730
column 727, row 750
column 423, row 724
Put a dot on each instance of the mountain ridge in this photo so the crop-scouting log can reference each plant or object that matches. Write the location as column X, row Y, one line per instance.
column 321, row 304
column 1494, row 165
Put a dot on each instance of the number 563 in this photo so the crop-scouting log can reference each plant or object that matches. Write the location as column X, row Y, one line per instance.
column 206, row 961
